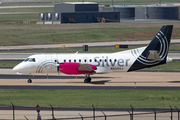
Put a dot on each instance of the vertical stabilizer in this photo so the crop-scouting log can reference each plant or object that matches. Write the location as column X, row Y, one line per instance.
column 157, row 50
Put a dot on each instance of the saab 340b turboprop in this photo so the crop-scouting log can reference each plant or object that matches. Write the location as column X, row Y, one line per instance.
column 152, row 55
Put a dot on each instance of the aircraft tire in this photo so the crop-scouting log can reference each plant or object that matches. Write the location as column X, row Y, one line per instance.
column 87, row 80
column 29, row 81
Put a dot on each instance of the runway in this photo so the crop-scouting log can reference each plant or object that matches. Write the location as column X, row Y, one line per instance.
column 117, row 80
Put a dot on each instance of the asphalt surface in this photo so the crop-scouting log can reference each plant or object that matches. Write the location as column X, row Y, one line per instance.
column 116, row 80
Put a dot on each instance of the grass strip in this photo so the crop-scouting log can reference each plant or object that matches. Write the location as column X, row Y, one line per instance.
column 8, row 63
column 14, row 32
column 170, row 66
column 85, row 98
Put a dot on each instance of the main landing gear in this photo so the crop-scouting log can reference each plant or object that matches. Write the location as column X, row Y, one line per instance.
column 87, row 79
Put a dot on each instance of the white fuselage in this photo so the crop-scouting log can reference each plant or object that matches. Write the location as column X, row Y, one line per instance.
column 105, row 62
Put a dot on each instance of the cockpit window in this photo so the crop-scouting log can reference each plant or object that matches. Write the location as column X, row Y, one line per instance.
column 26, row 59
column 30, row 60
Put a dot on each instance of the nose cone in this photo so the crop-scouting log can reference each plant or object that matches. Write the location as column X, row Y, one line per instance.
column 17, row 68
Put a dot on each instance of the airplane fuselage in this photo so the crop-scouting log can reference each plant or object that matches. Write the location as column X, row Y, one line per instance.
column 105, row 62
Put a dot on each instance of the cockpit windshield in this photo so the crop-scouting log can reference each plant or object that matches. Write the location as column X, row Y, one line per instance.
column 30, row 60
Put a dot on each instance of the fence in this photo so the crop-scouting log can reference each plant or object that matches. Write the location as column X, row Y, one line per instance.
column 93, row 113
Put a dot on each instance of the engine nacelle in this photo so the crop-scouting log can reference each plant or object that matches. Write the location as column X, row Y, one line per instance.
column 76, row 68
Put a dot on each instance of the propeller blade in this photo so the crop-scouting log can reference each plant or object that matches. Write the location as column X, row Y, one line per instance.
column 58, row 70
column 57, row 64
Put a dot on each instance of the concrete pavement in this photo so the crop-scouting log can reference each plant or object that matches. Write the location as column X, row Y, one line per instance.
column 110, row 115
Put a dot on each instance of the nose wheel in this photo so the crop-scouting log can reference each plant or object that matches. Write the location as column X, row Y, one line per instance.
column 29, row 80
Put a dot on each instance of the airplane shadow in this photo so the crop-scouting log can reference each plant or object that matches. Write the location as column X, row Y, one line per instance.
column 45, row 77
column 102, row 82
column 174, row 81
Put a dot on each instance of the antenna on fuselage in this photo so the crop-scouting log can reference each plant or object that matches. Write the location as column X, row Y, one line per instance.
column 76, row 52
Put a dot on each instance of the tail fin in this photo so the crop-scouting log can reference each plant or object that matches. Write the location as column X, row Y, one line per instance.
column 156, row 52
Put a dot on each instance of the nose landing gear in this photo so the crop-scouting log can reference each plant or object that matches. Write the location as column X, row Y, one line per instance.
column 29, row 80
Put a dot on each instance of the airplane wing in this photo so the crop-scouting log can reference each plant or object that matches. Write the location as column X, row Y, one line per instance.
column 83, row 67
column 76, row 68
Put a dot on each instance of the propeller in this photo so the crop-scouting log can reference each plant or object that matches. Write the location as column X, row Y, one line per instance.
column 57, row 64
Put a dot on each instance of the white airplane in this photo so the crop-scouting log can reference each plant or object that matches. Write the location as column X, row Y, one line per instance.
column 152, row 55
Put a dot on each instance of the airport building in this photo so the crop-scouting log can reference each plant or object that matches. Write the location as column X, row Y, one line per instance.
column 88, row 12
column 126, row 12
column 157, row 12
column 145, row 12
column 78, row 12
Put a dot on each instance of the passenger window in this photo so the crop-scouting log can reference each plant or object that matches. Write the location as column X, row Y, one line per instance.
column 110, row 60
column 64, row 60
column 100, row 60
column 74, row 60
column 79, row 60
column 85, row 60
column 69, row 60
column 115, row 60
column 105, row 60
column 90, row 60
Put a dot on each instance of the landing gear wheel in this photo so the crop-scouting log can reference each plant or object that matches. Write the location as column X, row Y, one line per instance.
column 87, row 80
column 29, row 81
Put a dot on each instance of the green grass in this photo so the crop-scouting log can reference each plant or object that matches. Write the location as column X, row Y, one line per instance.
column 85, row 98
column 14, row 32
column 9, row 63
column 170, row 66
column 17, row 17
